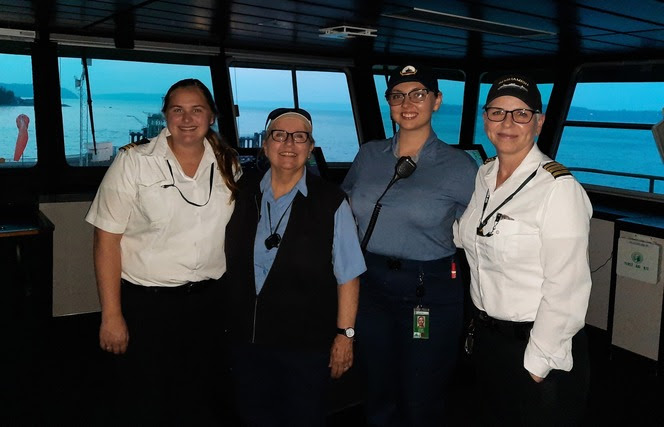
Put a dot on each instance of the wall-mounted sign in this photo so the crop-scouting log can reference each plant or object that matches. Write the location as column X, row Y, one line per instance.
column 638, row 260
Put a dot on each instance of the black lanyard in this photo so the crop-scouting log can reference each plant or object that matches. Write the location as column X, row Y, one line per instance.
column 182, row 195
column 274, row 239
column 483, row 222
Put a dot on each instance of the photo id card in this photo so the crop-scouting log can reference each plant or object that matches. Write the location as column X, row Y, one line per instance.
column 420, row 323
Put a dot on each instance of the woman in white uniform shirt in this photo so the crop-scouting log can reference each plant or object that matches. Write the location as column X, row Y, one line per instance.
column 525, row 234
column 160, row 216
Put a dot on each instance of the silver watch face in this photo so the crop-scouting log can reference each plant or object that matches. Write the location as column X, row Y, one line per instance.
column 350, row 332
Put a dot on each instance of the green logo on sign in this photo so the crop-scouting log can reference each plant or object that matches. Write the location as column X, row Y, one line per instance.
column 637, row 257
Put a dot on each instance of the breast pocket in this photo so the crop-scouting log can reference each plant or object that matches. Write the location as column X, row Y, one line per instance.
column 154, row 205
column 519, row 241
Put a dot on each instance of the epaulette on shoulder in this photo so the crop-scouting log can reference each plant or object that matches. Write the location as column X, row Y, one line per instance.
column 134, row 144
column 489, row 160
column 556, row 169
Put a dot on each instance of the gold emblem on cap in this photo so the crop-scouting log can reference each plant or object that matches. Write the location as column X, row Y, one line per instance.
column 408, row 70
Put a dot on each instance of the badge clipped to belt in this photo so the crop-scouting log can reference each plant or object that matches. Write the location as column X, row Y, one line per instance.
column 420, row 314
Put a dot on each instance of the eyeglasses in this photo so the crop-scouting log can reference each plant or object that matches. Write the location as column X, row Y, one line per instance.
column 299, row 137
column 416, row 96
column 521, row 116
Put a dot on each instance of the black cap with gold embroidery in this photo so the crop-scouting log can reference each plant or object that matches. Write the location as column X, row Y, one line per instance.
column 518, row 86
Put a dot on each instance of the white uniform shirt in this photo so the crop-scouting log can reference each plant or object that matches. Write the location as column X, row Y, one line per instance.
column 535, row 265
column 165, row 240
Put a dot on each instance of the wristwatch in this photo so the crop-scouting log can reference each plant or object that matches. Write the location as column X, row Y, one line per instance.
column 347, row 332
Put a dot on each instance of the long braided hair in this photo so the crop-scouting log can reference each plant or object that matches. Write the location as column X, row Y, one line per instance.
column 227, row 161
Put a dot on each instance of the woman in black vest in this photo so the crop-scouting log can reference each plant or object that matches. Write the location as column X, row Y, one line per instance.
column 293, row 266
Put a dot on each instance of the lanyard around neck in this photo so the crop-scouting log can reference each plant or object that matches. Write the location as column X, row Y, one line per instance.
column 484, row 221
column 170, row 169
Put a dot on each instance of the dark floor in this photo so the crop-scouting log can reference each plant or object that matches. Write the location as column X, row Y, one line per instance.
column 62, row 380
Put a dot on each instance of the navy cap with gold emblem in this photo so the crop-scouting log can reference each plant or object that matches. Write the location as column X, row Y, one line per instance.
column 413, row 73
column 556, row 169
column 518, row 86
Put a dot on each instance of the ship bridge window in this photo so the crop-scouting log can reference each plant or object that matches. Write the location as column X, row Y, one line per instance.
column 446, row 122
column 324, row 94
column 126, row 99
column 18, row 145
column 607, row 139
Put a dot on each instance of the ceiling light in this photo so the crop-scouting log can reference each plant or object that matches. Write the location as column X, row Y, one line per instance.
column 465, row 23
column 85, row 41
column 17, row 35
column 344, row 32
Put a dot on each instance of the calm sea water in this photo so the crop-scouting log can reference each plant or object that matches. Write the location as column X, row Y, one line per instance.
column 335, row 133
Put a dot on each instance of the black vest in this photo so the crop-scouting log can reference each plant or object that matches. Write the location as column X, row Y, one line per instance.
column 297, row 306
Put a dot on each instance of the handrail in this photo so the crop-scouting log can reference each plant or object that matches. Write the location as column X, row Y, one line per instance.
column 651, row 178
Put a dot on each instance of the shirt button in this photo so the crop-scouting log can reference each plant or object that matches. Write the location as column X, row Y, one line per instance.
column 497, row 231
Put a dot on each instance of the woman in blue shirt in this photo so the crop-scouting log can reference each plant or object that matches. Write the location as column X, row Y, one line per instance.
column 410, row 257
column 293, row 265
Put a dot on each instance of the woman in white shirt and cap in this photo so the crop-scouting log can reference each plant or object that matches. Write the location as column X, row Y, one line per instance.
column 525, row 233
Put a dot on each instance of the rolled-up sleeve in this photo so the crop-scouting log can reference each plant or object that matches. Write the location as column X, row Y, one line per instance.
column 346, row 253
column 565, row 226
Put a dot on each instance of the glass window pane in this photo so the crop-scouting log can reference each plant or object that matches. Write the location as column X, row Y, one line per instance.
column 628, row 151
column 18, row 144
column 256, row 92
column 446, row 122
column 127, row 99
column 326, row 97
column 480, row 136
column 614, row 150
column 617, row 102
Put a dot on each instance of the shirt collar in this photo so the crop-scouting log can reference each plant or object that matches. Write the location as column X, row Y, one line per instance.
column 162, row 149
column 532, row 159
column 300, row 185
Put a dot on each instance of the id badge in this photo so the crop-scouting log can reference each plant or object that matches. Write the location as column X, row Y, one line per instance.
column 420, row 323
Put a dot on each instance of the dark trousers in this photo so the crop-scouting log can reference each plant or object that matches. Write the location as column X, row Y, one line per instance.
column 172, row 372
column 406, row 377
column 508, row 396
column 276, row 387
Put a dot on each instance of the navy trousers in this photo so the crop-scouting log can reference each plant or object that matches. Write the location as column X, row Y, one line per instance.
column 406, row 377
column 173, row 370
column 508, row 396
column 279, row 387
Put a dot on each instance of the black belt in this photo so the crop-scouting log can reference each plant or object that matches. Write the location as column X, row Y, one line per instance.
column 409, row 264
column 519, row 330
column 187, row 288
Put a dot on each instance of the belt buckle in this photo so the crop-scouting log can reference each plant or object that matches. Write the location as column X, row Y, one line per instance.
column 393, row 264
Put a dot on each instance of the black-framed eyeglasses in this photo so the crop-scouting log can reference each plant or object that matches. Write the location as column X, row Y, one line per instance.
column 521, row 115
column 299, row 137
column 416, row 96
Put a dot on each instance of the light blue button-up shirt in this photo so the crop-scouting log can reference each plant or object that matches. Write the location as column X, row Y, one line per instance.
column 347, row 258
column 417, row 213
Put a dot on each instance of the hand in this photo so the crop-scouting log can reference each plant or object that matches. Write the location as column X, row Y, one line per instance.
column 536, row 378
column 341, row 356
column 113, row 334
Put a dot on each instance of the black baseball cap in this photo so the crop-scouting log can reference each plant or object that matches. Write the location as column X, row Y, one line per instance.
column 413, row 73
column 518, row 86
column 300, row 113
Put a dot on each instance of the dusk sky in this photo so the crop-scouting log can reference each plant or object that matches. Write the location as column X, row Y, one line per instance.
column 133, row 77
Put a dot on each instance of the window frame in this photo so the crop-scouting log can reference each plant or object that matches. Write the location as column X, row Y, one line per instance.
column 293, row 65
column 612, row 72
